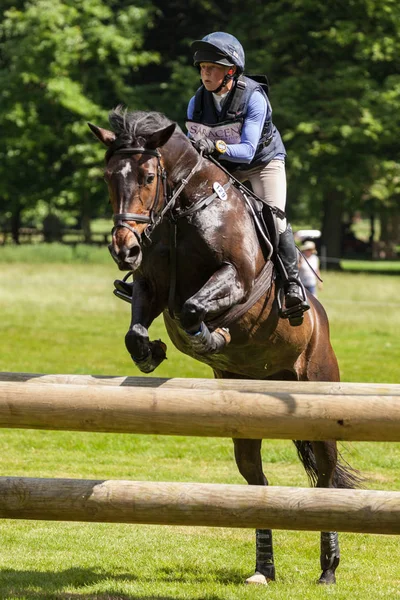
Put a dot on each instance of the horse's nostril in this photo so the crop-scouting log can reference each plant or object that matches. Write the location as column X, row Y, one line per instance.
column 125, row 253
column 133, row 252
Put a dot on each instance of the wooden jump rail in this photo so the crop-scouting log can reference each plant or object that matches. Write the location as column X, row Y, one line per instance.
column 215, row 412
column 199, row 407
column 200, row 504
column 240, row 385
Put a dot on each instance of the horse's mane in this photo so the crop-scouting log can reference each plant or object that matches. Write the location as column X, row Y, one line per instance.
column 132, row 128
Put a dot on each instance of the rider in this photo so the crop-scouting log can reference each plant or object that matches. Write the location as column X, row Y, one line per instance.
column 230, row 117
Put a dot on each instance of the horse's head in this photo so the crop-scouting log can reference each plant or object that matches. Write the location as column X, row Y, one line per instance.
column 136, row 181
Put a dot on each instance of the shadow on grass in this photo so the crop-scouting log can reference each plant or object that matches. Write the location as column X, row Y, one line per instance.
column 35, row 585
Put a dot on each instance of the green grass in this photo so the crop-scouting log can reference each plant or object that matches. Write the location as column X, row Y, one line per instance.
column 63, row 318
column 373, row 266
column 38, row 254
column 364, row 314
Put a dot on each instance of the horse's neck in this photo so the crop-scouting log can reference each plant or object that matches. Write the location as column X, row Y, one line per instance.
column 179, row 158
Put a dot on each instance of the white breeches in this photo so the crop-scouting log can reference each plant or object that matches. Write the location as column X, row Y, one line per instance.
column 269, row 183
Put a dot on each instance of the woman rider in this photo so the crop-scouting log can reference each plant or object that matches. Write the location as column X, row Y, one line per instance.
column 248, row 141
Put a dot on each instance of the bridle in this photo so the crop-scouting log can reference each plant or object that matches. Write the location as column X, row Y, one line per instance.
column 154, row 218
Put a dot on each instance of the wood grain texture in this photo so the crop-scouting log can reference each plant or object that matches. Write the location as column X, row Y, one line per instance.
column 199, row 412
column 240, row 385
column 213, row 505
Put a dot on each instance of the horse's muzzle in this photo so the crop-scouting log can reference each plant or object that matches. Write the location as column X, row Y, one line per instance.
column 127, row 258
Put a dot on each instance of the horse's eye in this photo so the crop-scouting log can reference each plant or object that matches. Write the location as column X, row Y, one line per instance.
column 149, row 179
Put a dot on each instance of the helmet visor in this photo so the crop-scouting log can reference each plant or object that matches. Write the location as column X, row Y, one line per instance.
column 205, row 52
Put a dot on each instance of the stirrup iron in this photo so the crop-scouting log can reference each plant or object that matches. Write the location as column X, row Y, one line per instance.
column 294, row 313
column 123, row 289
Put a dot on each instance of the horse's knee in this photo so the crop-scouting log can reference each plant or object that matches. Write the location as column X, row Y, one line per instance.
column 192, row 315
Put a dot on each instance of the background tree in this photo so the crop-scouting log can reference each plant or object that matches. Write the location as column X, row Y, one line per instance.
column 334, row 73
column 63, row 63
column 335, row 89
column 336, row 93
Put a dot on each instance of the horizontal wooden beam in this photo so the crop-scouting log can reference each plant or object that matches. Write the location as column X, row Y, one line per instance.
column 240, row 385
column 212, row 505
column 210, row 413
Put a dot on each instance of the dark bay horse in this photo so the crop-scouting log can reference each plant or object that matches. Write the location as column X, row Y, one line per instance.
column 189, row 236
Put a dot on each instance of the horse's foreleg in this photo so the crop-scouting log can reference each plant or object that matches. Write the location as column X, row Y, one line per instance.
column 222, row 290
column 146, row 354
column 248, row 460
column 326, row 460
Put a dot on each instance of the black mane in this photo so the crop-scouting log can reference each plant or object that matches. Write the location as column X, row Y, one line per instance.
column 132, row 128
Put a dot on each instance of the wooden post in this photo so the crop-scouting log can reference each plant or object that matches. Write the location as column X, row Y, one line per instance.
column 212, row 413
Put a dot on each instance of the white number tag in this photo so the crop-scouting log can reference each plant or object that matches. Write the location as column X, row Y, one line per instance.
column 219, row 190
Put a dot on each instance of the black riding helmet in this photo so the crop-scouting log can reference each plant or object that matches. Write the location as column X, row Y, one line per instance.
column 220, row 48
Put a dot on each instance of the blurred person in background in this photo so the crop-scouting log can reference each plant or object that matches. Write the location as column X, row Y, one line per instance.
column 309, row 267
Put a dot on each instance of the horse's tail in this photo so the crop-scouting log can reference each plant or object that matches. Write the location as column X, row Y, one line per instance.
column 344, row 476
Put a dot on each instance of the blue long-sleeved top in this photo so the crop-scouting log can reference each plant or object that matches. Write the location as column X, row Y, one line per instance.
column 257, row 111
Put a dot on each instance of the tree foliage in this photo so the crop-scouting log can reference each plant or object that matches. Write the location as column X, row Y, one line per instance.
column 334, row 70
column 62, row 63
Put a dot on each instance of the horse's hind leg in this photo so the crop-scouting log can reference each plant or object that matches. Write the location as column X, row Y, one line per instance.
column 326, row 462
column 248, row 460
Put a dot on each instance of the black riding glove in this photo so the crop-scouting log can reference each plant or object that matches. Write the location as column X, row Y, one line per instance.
column 206, row 145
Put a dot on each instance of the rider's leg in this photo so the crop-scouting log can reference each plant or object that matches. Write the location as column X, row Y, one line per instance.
column 288, row 253
column 269, row 183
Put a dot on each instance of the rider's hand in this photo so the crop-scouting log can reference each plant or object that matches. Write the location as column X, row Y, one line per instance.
column 206, row 145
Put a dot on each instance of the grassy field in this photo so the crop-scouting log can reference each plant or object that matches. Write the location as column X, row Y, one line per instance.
column 59, row 317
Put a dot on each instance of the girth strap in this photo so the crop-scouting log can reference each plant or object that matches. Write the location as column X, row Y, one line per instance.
column 172, row 268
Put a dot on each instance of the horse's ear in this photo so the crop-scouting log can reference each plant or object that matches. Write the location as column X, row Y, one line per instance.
column 159, row 138
column 104, row 135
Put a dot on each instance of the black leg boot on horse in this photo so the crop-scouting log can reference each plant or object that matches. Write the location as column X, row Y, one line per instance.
column 295, row 303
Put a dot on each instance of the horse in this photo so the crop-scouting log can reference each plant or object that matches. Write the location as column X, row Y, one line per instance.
column 188, row 235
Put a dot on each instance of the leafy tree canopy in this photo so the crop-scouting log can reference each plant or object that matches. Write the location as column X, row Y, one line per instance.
column 63, row 63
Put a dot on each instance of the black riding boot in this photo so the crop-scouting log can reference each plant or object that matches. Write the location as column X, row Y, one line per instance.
column 295, row 297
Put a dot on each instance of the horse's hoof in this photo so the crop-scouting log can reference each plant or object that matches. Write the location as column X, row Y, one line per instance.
column 157, row 353
column 327, row 578
column 257, row 579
